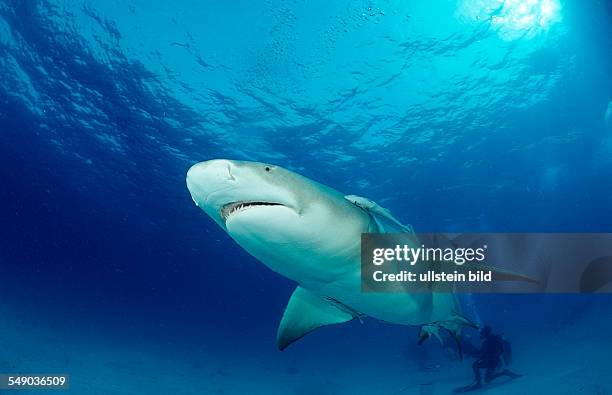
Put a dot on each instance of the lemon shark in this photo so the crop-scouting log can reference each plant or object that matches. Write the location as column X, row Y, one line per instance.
column 311, row 234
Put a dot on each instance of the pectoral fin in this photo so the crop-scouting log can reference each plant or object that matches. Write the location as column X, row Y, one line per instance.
column 499, row 274
column 428, row 331
column 304, row 313
column 453, row 326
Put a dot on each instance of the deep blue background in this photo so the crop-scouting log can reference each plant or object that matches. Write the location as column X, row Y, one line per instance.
column 452, row 121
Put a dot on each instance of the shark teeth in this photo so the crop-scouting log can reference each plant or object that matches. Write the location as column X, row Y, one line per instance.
column 232, row 208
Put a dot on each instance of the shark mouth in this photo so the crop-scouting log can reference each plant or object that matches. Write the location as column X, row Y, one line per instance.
column 233, row 208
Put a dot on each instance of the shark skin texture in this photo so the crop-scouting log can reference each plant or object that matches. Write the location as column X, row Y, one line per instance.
column 311, row 233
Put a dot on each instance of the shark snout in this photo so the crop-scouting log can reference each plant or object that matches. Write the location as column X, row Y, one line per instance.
column 207, row 177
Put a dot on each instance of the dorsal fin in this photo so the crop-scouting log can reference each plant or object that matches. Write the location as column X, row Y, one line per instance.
column 377, row 212
column 306, row 312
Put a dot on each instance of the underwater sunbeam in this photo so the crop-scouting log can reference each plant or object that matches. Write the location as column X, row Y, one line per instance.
column 515, row 19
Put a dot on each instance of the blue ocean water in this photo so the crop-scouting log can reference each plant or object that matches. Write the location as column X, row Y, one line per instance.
column 466, row 115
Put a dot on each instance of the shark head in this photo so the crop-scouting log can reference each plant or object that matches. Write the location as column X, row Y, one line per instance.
column 242, row 194
column 280, row 217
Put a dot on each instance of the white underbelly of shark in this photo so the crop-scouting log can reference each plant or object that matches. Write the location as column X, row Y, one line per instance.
column 310, row 233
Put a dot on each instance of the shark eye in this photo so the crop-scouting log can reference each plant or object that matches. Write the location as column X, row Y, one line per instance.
column 267, row 168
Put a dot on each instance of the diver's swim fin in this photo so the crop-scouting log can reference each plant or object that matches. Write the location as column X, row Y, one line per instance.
column 508, row 373
column 467, row 388
column 477, row 386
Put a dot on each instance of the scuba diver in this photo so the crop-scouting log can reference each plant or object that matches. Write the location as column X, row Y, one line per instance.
column 494, row 351
column 494, row 356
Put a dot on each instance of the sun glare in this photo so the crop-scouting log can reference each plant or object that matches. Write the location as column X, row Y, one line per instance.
column 516, row 18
